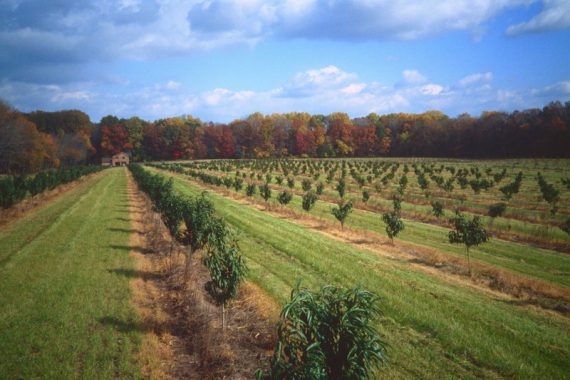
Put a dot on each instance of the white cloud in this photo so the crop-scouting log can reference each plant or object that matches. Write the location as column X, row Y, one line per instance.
column 555, row 15
column 431, row 89
column 346, row 93
column 477, row 78
column 413, row 77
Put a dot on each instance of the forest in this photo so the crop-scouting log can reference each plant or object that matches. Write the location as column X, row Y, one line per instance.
column 35, row 141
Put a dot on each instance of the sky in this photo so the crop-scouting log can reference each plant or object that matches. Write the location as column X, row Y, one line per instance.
column 219, row 60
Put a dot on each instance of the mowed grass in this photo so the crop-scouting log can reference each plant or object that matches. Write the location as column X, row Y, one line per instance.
column 542, row 264
column 64, row 287
column 435, row 328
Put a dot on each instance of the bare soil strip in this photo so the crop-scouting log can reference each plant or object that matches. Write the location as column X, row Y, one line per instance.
column 31, row 204
column 485, row 277
column 183, row 337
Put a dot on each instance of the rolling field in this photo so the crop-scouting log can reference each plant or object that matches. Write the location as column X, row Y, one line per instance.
column 436, row 326
column 527, row 215
column 68, row 308
column 64, row 287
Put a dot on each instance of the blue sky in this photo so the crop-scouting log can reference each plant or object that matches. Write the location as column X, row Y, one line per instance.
column 224, row 59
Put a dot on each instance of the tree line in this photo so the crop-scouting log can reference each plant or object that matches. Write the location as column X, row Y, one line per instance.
column 33, row 141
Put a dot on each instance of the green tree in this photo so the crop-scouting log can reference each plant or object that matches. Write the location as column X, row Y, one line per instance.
column 394, row 224
column 468, row 232
column 284, row 197
column 341, row 188
column 265, row 191
column 227, row 270
column 309, row 200
column 341, row 212
column 327, row 335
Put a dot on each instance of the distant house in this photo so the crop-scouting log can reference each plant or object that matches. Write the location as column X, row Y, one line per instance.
column 119, row 159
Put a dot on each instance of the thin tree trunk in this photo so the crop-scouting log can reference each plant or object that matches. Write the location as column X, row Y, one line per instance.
column 469, row 262
column 223, row 318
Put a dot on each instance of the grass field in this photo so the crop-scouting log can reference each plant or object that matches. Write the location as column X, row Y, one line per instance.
column 64, row 287
column 435, row 327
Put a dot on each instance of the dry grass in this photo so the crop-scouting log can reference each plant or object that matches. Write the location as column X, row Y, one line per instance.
column 184, row 338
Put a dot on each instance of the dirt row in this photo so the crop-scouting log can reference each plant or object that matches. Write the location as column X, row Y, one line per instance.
column 182, row 334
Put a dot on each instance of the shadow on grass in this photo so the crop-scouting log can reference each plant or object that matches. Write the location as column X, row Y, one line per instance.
column 132, row 326
column 128, row 248
column 126, row 230
column 132, row 273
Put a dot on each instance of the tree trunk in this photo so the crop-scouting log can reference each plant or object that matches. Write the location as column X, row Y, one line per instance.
column 469, row 263
column 223, row 318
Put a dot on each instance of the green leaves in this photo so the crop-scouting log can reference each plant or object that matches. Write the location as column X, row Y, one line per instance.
column 227, row 269
column 265, row 191
column 468, row 232
column 285, row 197
column 394, row 224
column 327, row 335
column 309, row 200
column 14, row 189
column 341, row 212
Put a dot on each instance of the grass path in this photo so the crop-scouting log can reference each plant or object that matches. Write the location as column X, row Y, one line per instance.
column 65, row 301
column 435, row 329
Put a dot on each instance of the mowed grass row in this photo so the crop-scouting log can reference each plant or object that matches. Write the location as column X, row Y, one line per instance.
column 64, row 289
column 435, row 328
column 542, row 264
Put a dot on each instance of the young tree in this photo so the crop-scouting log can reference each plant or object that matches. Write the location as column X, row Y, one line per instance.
column 306, row 184
column 341, row 188
column 341, row 212
column 437, row 209
column 365, row 196
column 327, row 335
column 566, row 226
column 250, row 189
column 394, row 224
column 467, row 232
column 320, row 188
column 309, row 200
column 291, row 182
column 265, row 191
column 284, row 197
column 227, row 270
column 497, row 209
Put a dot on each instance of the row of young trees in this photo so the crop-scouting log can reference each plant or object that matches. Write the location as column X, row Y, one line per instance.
column 324, row 334
column 193, row 223
column 13, row 189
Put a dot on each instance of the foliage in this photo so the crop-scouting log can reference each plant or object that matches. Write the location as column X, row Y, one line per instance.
column 309, row 200
column 306, row 184
column 327, row 335
column 14, row 189
column 265, row 191
column 320, row 188
column 497, row 209
column 341, row 188
column 437, row 209
column 250, row 189
column 468, row 232
column 341, row 212
column 227, row 270
column 365, row 196
column 394, row 224
column 284, row 197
